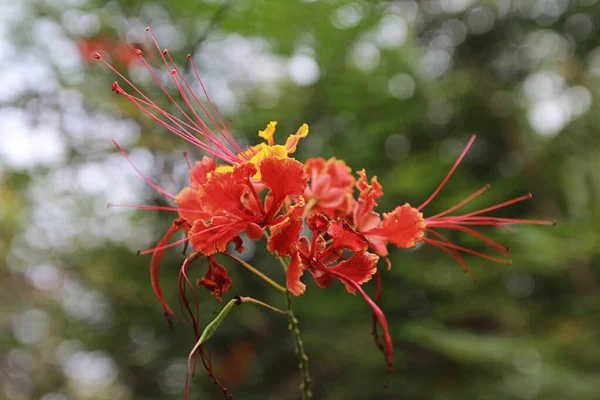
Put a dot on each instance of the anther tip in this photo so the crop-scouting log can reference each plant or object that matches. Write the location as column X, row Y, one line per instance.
column 553, row 222
column 137, row 253
column 530, row 195
column 487, row 186
column 96, row 56
column 147, row 29
column 138, row 51
column 165, row 51
column 109, row 205
column 189, row 55
column 114, row 86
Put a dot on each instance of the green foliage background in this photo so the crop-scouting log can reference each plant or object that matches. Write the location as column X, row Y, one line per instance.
column 394, row 87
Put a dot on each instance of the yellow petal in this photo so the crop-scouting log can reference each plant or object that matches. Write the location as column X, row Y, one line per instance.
column 268, row 133
column 224, row 168
column 251, row 151
column 269, row 151
column 292, row 141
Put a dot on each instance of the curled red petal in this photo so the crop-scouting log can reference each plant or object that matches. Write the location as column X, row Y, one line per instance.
column 364, row 216
column 322, row 279
column 285, row 177
column 403, row 227
column 318, row 222
column 359, row 269
column 215, row 236
column 223, row 193
column 243, row 172
column 155, row 266
column 216, row 280
column 345, row 237
column 284, row 236
column 189, row 207
column 294, row 272
column 199, row 172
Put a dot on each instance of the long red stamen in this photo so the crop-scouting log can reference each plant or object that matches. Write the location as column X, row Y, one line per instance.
column 148, row 180
column 179, row 131
column 207, row 132
column 466, row 250
column 455, row 254
column 226, row 135
column 143, row 207
column 225, row 131
column 185, row 239
column 497, row 206
column 502, row 249
column 199, row 213
column 147, row 101
column 164, row 52
column 224, row 153
column 462, row 203
column 180, row 128
column 462, row 155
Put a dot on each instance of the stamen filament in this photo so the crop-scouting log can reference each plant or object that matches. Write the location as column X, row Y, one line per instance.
column 460, row 158
column 462, row 203
column 148, row 180
column 466, row 250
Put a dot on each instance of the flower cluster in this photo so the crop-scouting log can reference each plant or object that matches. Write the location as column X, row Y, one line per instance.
column 317, row 216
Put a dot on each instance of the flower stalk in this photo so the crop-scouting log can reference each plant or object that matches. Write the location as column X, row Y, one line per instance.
column 257, row 273
column 298, row 343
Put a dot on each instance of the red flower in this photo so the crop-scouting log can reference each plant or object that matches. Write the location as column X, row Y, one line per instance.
column 325, row 262
column 331, row 187
column 216, row 279
column 261, row 188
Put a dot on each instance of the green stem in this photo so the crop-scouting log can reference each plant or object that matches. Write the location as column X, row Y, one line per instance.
column 257, row 273
column 299, row 344
column 262, row 304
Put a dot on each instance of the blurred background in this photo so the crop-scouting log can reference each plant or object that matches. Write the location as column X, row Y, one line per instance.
column 396, row 87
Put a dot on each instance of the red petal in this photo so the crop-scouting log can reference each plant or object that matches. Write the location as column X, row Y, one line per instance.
column 216, row 279
column 223, row 193
column 403, row 227
column 199, row 172
column 314, row 166
column 317, row 222
column 285, row 177
column 214, row 237
column 345, row 237
column 284, row 235
column 189, row 208
column 322, row 279
column 294, row 272
column 364, row 216
column 359, row 268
